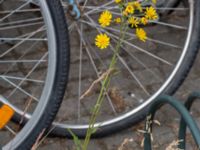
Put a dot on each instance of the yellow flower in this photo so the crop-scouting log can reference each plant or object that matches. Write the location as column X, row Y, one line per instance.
column 141, row 34
column 144, row 20
column 118, row 1
column 129, row 9
column 102, row 41
column 124, row 13
column 151, row 13
column 138, row 6
column 105, row 18
column 133, row 22
column 154, row 1
column 118, row 20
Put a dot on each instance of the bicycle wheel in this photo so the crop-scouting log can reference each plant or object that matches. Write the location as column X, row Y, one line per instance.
column 34, row 63
column 167, row 5
column 146, row 70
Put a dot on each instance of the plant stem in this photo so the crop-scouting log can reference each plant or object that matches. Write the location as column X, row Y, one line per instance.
column 105, row 85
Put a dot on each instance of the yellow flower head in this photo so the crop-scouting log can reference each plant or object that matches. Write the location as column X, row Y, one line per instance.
column 118, row 20
column 105, row 18
column 154, row 1
column 133, row 22
column 151, row 13
column 129, row 9
column 141, row 34
column 102, row 41
column 144, row 20
column 138, row 6
column 118, row 1
column 124, row 13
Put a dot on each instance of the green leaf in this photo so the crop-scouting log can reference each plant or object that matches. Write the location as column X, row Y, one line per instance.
column 76, row 140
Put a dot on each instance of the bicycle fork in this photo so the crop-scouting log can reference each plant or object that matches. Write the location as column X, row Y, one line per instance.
column 74, row 10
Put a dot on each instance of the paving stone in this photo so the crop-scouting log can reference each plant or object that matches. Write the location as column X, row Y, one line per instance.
column 53, row 146
column 163, row 135
column 167, row 132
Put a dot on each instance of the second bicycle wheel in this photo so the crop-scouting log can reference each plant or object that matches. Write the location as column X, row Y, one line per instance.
column 145, row 69
column 34, row 64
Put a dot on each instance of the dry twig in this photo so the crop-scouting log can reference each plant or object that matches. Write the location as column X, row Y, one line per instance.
column 35, row 146
column 125, row 142
column 174, row 145
column 101, row 78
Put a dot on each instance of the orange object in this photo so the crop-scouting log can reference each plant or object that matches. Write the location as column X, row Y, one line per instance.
column 6, row 114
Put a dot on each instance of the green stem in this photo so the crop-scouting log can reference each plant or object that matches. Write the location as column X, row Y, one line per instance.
column 105, row 85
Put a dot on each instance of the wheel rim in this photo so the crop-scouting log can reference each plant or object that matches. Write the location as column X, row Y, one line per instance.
column 48, row 54
column 83, row 125
column 104, row 122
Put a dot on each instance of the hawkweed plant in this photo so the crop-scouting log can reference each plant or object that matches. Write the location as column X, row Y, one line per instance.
column 135, row 14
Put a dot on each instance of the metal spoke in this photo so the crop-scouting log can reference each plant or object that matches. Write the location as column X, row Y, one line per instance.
column 148, row 39
column 97, row 7
column 85, row 3
column 172, row 8
column 10, row 130
column 19, row 88
column 96, row 70
column 21, row 61
column 20, row 78
column 13, row 11
column 22, row 39
column 21, row 21
column 140, row 62
column 18, row 44
column 170, row 25
column 130, row 44
column 21, row 26
column 80, row 72
column 124, row 63
column 24, row 53
column 105, row 8
column 36, row 31
column 132, row 73
column 157, row 8
column 20, row 11
column 160, row 23
column 29, row 73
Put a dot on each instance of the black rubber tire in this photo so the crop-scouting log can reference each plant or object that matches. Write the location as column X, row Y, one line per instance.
column 170, row 90
column 60, row 81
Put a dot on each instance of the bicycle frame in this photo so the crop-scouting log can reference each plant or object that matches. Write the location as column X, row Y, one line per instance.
column 75, row 11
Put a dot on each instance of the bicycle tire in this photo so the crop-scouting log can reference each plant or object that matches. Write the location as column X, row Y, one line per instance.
column 178, row 79
column 47, row 108
column 175, row 83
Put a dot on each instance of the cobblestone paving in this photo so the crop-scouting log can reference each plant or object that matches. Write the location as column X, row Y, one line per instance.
column 163, row 135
